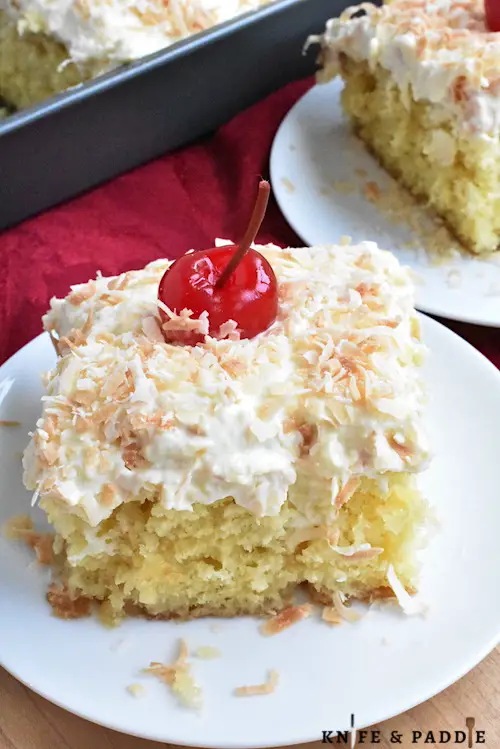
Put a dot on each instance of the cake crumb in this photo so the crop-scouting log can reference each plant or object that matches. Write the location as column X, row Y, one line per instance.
column 454, row 279
column 267, row 687
column 400, row 208
column 136, row 690
column 207, row 652
column 343, row 186
column 287, row 617
column 288, row 185
column 7, row 423
column 66, row 607
column 178, row 677
column 216, row 628
column 345, row 240
column 361, row 172
column 17, row 527
column 372, row 192
column 21, row 528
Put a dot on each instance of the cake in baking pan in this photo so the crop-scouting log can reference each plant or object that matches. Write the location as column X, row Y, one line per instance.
column 422, row 89
column 47, row 46
column 207, row 463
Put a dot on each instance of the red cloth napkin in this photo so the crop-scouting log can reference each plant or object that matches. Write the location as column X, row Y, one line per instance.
column 181, row 201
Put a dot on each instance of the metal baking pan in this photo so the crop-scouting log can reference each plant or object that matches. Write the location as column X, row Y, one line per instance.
column 87, row 135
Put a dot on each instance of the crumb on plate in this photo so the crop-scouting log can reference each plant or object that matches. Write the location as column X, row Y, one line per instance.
column 288, row 184
column 66, row 607
column 287, row 617
column 207, row 652
column 136, row 690
column 20, row 528
column 178, row 676
column 267, row 687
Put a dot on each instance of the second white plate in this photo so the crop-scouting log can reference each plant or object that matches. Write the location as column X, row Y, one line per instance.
column 328, row 186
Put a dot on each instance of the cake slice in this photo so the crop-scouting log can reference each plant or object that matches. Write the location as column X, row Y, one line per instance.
column 213, row 479
column 422, row 90
column 47, row 46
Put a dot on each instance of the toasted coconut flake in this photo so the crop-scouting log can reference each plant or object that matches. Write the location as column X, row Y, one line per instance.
column 152, row 330
column 113, row 383
column 108, row 494
column 77, row 297
column 8, row 423
column 111, row 300
column 34, row 498
column 87, row 327
column 229, row 330
column 404, row 452
column 287, row 617
column 363, row 551
column 344, row 611
column 82, row 424
column 119, row 283
column 161, row 671
column 233, row 367
column 309, row 434
column 267, row 688
column 408, row 604
column 366, row 553
column 64, row 606
column 331, row 615
column 51, row 453
column 105, row 338
column 345, row 494
column 133, row 457
column 84, row 397
column 183, row 653
column 288, row 184
column 184, row 320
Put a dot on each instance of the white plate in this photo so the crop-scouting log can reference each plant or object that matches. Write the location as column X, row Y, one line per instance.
column 375, row 668
column 313, row 171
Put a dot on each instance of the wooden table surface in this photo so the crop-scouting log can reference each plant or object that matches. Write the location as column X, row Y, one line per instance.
column 30, row 722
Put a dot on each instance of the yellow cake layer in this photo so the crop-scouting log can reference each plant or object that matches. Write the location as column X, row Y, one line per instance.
column 34, row 66
column 424, row 149
column 222, row 560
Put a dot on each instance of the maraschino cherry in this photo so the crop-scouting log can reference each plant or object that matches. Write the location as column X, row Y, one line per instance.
column 492, row 10
column 233, row 282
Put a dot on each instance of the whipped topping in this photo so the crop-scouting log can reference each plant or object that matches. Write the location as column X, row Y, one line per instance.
column 438, row 51
column 114, row 31
column 329, row 394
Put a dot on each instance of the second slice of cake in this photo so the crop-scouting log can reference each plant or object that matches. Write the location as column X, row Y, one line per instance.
column 422, row 89
column 213, row 479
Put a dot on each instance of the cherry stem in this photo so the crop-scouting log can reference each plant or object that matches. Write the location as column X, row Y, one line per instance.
column 254, row 225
